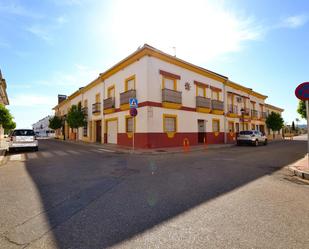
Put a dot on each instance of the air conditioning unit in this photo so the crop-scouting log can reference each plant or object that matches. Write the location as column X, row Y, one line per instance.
column 239, row 99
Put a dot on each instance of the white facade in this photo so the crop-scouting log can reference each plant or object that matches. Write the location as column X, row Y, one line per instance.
column 153, row 72
column 41, row 127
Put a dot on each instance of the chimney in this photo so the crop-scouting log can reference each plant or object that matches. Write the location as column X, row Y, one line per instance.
column 61, row 98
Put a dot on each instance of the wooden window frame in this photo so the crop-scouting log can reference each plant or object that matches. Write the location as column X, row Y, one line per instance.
column 126, row 82
column 170, row 78
column 169, row 133
column 108, row 91
column 130, row 134
column 217, row 94
column 213, row 121
column 202, row 87
column 233, row 125
column 98, row 98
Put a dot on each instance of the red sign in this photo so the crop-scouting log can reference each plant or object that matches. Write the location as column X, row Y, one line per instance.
column 133, row 112
column 302, row 91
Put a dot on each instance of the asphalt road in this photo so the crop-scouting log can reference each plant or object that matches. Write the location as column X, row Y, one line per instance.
column 78, row 196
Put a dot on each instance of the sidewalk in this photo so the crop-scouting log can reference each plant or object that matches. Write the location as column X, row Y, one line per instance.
column 169, row 150
column 301, row 168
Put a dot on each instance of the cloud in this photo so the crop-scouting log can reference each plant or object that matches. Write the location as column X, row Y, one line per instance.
column 294, row 22
column 67, row 2
column 32, row 100
column 46, row 32
column 200, row 30
column 41, row 32
column 17, row 9
column 78, row 76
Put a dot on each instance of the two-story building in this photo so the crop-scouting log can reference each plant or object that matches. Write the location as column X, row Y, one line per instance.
column 178, row 101
column 4, row 100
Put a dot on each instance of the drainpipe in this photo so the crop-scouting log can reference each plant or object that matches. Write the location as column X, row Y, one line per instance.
column 225, row 111
column 103, row 121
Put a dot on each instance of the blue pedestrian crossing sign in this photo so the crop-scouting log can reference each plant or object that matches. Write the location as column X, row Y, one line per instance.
column 133, row 102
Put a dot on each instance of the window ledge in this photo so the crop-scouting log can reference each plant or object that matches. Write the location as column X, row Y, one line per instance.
column 170, row 134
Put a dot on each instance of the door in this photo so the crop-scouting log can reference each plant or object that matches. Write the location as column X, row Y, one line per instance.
column 201, row 130
column 112, row 132
column 98, row 129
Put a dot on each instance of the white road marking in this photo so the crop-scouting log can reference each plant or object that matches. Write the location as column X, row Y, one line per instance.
column 73, row 152
column 60, row 153
column 106, row 150
column 32, row 155
column 18, row 157
column 46, row 154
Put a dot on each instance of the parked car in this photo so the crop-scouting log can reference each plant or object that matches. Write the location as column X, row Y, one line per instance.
column 252, row 137
column 23, row 138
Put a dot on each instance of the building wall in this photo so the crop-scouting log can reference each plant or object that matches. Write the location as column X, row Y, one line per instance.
column 149, row 130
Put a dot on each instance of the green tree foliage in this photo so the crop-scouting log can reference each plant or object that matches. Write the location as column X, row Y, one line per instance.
column 55, row 123
column 301, row 109
column 274, row 121
column 6, row 119
column 76, row 117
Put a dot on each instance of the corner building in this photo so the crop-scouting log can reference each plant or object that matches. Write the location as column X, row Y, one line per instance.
column 178, row 102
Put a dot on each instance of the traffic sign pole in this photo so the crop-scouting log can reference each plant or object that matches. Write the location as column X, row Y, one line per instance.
column 133, row 145
column 307, row 112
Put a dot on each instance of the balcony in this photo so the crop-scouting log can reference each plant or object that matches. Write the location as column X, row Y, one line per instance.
column 254, row 114
column 109, row 105
column 217, row 106
column 124, row 99
column 245, row 112
column 85, row 111
column 96, row 108
column 232, row 111
column 203, row 104
column 263, row 115
column 171, row 99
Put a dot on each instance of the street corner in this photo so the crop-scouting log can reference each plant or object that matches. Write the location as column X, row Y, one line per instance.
column 301, row 168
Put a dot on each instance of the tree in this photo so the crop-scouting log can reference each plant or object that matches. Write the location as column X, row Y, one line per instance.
column 301, row 109
column 76, row 117
column 275, row 122
column 6, row 119
column 293, row 126
column 55, row 123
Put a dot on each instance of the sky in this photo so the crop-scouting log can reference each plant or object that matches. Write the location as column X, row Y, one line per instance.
column 51, row 47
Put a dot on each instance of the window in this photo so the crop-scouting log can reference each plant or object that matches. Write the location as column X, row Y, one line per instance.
column 231, row 126
column 97, row 98
column 201, row 91
column 85, row 103
column 85, row 129
column 129, row 124
column 253, row 126
column 215, row 95
column 237, row 127
column 215, row 125
column 130, row 83
column 169, row 83
column 111, row 92
column 170, row 124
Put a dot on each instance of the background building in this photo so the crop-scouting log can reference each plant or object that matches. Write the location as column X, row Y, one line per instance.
column 178, row 101
column 3, row 100
column 41, row 128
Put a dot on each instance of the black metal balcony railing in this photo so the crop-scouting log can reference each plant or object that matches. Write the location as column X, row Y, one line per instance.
column 264, row 115
column 96, row 107
column 245, row 111
column 109, row 103
column 217, row 105
column 233, row 109
column 171, row 96
column 254, row 113
column 125, row 96
column 85, row 111
column 203, row 102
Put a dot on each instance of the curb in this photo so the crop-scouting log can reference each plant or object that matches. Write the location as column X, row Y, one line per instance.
column 151, row 152
column 2, row 155
column 299, row 173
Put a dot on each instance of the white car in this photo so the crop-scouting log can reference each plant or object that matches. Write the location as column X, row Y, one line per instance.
column 23, row 138
column 252, row 137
